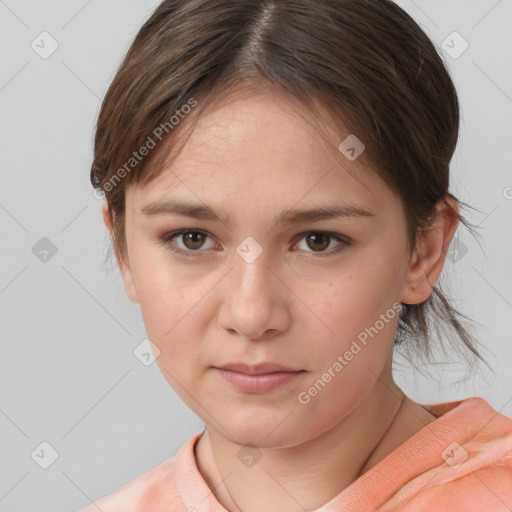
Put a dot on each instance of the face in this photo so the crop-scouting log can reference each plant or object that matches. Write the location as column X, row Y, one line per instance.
column 240, row 286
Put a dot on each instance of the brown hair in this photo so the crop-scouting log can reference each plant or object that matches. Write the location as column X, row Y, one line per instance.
column 367, row 62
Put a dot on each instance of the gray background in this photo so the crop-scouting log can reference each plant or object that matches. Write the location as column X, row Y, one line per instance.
column 68, row 374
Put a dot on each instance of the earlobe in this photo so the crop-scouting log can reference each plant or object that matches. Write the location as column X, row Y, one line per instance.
column 107, row 219
column 429, row 255
column 129, row 283
column 124, row 267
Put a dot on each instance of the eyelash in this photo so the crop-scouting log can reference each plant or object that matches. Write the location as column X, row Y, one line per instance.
column 168, row 238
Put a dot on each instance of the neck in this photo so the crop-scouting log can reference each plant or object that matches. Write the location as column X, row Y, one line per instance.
column 307, row 475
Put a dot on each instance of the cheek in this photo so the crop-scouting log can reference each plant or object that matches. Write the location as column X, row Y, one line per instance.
column 357, row 308
column 374, row 279
column 175, row 312
column 164, row 301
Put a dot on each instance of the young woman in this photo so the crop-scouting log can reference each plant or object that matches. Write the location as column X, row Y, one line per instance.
column 276, row 179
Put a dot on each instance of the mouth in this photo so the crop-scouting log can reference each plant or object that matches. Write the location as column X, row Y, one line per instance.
column 259, row 369
column 259, row 383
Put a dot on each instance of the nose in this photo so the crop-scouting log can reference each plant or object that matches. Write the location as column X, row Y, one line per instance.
column 254, row 300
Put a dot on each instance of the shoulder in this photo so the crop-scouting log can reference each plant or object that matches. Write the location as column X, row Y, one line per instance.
column 152, row 490
column 476, row 466
column 158, row 488
column 486, row 489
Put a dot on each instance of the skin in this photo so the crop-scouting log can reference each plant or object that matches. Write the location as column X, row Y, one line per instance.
column 252, row 159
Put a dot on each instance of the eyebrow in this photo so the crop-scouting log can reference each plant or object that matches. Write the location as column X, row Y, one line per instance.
column 203, row 212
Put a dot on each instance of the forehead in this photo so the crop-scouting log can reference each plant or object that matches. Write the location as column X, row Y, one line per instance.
column 261, row 149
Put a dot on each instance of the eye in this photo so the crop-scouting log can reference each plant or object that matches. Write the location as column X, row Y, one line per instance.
column 320, row 240
column 193, row 240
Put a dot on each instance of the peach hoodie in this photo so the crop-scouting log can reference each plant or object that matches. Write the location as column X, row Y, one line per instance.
column 460, row 462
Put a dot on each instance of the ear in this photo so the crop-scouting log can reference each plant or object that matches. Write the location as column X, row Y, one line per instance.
column 124, row 267
column 429, row 255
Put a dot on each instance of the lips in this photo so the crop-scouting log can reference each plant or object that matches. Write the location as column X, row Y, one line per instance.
column 258, row 369
column 264, row 379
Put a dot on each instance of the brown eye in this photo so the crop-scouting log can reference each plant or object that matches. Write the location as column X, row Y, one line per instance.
column 187, row 242
column 190, row 243
column 193, row 239
column 318, row 241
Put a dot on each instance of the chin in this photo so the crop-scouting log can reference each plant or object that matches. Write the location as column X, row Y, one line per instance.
column 267, row 434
